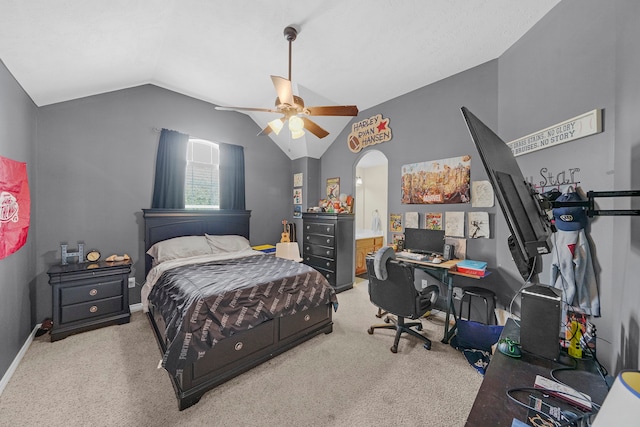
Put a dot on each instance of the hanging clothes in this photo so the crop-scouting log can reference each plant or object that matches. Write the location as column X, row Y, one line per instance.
column 571, row 265
column 572, row 271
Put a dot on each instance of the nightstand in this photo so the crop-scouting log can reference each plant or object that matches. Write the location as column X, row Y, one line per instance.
column 88, row 296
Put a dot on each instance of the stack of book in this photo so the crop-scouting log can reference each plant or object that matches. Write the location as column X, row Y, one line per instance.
column 475, row 268
column 267, row 249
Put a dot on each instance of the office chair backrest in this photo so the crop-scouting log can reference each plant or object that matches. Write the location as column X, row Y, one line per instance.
column 397, row 294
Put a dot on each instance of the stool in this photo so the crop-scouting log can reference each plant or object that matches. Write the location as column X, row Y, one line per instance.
column 475, row 292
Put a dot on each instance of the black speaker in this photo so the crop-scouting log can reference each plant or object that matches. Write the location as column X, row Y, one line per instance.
column 541, row 312
column 447, row 252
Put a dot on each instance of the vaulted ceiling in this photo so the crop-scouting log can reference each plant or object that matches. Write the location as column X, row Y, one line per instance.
column 361, row 52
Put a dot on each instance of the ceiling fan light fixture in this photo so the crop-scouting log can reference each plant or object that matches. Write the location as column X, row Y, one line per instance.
column 296, row 124
column 276, row 126
column 295, row 134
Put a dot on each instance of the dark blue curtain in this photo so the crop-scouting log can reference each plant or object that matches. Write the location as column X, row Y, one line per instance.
column 171, row 165
column 231, row 177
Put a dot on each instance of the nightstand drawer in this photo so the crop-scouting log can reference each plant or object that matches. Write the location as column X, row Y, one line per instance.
column 318, row 228
column 72, row 313
column 90, row 292
column 318, row 250
column 318, row 239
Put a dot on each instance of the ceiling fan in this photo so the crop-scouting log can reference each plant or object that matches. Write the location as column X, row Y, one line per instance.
column 292, row 107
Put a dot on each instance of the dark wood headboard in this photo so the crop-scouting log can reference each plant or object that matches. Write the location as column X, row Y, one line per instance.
column 163, row 224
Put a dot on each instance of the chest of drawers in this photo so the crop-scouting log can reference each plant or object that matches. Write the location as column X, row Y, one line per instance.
column 88, row 295
column 328, row 246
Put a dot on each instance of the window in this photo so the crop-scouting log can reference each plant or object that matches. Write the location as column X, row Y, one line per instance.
column 201, row 188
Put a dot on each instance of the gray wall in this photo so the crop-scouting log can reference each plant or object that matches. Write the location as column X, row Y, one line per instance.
column 96, row 160
column 582, row 55
column 17, row 142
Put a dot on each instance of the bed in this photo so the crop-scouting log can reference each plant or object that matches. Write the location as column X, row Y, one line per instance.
column 218, row 315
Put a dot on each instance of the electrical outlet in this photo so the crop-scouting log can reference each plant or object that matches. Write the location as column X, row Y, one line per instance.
column 132, row 282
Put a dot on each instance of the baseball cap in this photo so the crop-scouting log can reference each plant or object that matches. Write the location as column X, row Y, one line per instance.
column 570, row 218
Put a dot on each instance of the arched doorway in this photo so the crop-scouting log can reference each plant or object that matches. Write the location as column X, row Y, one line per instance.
column 372, row 178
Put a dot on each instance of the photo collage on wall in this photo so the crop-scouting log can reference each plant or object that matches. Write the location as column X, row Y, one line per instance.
column 444, row 181
column 297, row 195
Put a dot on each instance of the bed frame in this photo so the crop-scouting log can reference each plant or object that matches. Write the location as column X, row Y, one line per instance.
column 232, row 356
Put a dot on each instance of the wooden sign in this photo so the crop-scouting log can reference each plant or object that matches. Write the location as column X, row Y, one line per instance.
column 371, row 131
column 569, row 130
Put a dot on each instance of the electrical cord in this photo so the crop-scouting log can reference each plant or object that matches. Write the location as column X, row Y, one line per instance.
column 524, row 285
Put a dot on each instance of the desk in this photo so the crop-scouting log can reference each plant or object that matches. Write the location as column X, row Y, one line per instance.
column 493, row 407
column 443, row 272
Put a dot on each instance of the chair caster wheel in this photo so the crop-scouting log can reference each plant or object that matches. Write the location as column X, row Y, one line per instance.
column 427, row 345
column 394, row 349
column 419, row 327
column 370, row 331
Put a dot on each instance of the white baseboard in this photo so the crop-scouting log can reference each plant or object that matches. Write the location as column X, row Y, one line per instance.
column 16, row 361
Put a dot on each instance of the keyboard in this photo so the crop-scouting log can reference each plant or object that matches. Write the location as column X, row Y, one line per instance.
column 415, row 256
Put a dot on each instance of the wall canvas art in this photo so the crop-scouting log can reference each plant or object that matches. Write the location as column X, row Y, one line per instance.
column 297, row 179
column 433, row 220
column 333, row 188
column 437, row 182
column 395, row 222
column 297, row 196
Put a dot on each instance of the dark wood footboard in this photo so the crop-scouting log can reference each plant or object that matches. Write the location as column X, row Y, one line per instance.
column 236, row 355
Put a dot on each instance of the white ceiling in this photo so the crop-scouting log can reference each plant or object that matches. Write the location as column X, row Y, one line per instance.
column 361, row 52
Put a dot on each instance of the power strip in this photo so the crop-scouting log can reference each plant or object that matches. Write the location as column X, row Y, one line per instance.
column 564, row 392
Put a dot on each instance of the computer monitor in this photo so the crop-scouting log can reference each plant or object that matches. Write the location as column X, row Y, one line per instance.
column 423, row 240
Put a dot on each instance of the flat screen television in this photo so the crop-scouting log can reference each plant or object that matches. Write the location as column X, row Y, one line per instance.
column 425, row 241
column 530, row 229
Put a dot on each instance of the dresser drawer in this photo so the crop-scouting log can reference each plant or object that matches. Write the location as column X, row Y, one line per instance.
column 329, row 275
column 318, row 239
column 319, row 228
column 316, row 261
column 319, row 250
column 88, row 310
column 90, row 292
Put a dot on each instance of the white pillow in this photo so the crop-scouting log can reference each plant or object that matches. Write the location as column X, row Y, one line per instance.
column 228, row 243
column 179, row 247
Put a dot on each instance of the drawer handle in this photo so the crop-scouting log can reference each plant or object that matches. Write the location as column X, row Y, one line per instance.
column 328, row 264
column 328, row 240
column 308, row 247
column 328, row 252
column 238, row 346
column 307, row 318
column 308, row 227
column 328, row 228
column 93, row 308
column 93, row 292
column 308, row 237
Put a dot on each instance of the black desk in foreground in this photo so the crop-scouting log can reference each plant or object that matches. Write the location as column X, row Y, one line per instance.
column 493, row 407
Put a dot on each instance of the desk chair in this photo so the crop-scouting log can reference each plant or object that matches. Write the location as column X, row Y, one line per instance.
column 398, row 295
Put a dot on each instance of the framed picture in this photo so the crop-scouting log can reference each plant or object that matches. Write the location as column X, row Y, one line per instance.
column 297, row 179
column 395, row 222
column 333, row 188
column 437, row 181
column 297, row 196
column 297, row 211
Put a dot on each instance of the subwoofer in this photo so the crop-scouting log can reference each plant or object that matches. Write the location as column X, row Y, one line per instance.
column 541, row 312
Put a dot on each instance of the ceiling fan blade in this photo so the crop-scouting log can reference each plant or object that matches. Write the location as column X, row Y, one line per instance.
column 333, row 110
column 283, row 89
column 265, row 110
column 313, row 127
column 268, row 129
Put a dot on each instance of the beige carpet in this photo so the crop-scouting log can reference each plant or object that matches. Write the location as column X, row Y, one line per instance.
column 108, row 377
